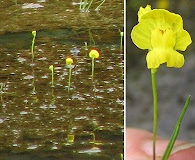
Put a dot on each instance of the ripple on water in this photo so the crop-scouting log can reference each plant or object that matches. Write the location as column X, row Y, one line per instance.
column 93, row 150
column 28, row 77
column 31, row 5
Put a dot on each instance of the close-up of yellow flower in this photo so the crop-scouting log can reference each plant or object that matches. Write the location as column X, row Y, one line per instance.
column 162, row 33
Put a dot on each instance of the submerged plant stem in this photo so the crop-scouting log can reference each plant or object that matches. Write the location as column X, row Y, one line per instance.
column 155, row 110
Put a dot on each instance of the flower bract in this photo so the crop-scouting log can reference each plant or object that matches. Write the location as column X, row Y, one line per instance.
column 162, row 33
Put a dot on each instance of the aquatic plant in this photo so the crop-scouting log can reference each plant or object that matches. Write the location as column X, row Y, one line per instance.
column 33, row 43
column 51, row 68
column 162, row 33
column 69, row 62
column 121, row 39
column 93, row 54
column 85, row 6
column 86, row 48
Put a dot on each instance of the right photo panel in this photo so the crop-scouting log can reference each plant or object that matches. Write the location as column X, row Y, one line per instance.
column 160, row 80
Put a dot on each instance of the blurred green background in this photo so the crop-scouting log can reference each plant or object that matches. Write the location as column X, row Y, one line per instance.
column 174, row 85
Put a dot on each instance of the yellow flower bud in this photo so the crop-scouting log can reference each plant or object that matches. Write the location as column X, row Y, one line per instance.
column 34, row 33
column 51, row 67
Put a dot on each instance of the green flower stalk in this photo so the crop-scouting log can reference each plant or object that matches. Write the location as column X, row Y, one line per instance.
column 93, row 54
column 162, row 33
column 69, row 62
column 51, row 68
column 33, row 43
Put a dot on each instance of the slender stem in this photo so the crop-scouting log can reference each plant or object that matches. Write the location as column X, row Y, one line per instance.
column 84, row 5
column 92, row 69
column 80, row 4
column 91, row 39
column 176, row 131
column 69, row 78
column 97, row 8
column 155, row 110
column 32, row 47
column 89, row 5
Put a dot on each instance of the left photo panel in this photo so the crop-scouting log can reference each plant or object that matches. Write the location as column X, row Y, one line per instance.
column 62, row 80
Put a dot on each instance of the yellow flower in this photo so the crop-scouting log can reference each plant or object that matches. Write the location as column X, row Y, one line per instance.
column 69, row 61
column 162, row 33
column 94, row 53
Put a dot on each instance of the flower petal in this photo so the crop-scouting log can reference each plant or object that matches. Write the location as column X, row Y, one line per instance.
column 141, row 37
column 143, row 11
column 183, row 39
column 160, row 18
column 173, row 58
column 155, row 59
column 157, row 18
column 163, row 39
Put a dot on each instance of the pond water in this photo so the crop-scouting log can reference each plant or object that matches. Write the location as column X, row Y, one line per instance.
column 38, row 121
